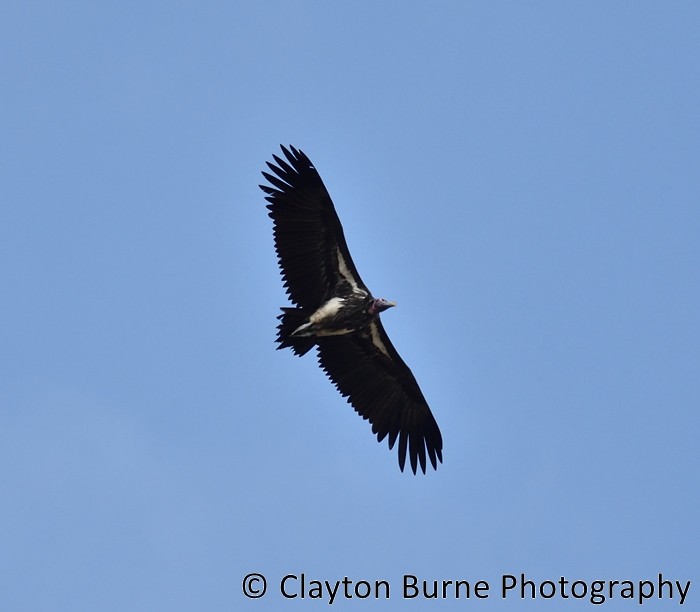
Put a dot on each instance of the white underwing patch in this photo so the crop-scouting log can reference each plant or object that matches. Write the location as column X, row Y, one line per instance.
column 344, row 272
column 376, row 340
column 329, row 309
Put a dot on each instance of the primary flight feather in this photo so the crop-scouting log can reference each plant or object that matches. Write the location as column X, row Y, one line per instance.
column 336, row 313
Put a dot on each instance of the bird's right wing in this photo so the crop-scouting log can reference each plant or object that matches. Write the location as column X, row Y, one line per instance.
column 311, row 249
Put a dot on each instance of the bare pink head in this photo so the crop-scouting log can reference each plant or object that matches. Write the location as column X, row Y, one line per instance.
column 379, row 305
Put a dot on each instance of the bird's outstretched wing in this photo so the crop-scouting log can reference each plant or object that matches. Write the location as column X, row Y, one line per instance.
column 366, row 369
column 311, row 249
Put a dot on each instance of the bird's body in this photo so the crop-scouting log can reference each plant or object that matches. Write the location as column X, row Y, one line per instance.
column 335, row 312
column 341, row 314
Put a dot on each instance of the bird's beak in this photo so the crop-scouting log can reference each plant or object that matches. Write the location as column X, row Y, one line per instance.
column 390, row 304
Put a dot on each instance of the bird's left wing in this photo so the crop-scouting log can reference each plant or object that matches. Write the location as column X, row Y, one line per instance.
column 366, row 368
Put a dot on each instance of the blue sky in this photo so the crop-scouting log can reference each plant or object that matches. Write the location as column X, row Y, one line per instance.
column 520, row 177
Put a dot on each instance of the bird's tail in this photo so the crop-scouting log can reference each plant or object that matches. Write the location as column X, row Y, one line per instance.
column 291, row 319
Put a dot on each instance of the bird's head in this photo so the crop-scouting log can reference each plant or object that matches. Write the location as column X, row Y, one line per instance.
column 380, row 305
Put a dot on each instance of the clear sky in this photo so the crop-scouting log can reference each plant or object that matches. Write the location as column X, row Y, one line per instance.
column 522, row 178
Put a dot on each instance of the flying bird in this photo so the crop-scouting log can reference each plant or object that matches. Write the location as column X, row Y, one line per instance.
column 335, row 312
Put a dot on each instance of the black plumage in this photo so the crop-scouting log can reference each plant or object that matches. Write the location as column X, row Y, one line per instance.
column 334, row 311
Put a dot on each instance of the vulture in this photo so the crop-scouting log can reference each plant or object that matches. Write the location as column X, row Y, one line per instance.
column 335, row 312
